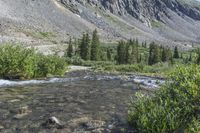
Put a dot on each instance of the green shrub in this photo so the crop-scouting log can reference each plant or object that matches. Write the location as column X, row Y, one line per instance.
column 17, row 62
column 173, row 108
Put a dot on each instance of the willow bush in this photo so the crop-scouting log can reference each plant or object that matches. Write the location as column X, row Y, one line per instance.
column 173, row 108
column 17, row 62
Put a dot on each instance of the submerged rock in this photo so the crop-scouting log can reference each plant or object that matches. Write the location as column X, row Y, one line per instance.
column 94, row 124
column 22, row 111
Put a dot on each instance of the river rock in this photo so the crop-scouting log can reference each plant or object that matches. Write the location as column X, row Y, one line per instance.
column 79, row 121
column 53, row 122
column 14, row 100
column 94, row 124
column 1, row 127
column 22, row 111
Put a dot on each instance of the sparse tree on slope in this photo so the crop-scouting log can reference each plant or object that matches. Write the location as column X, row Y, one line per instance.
column 176, row 53
column 85, row 47
column 70, row 49
column 109, row 55
column 95, row 46
column 121, row 53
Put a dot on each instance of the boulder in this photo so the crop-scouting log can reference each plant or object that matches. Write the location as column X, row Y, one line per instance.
column 53, row 122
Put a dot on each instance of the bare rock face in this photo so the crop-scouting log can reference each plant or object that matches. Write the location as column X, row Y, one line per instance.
column 142, row 9
column 177, row 15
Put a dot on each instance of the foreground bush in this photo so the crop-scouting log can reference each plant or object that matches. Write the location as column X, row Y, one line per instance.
column 17, row 62
column 173, row 108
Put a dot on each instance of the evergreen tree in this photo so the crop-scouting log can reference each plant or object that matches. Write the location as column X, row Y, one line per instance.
column 132, row 52
column 181, row 56
column 109, row 55
column 151, row 54
column 88, row 47
column 103, row 55
column 166, row 54
column 85, row 47
column 76, row 47
column 121, row 53
column 156, row 57
column 154, row 54
column 70, row 49
column 140, row 59
column 82, row 46
column 190, row 58
column 171, row 59
column 198, row 56
column 176, row 53
column 145, row 44
column 95, row 47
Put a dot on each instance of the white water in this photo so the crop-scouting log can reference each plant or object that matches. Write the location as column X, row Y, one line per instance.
column 145, row 81
column 149, row 82
column 6, row 83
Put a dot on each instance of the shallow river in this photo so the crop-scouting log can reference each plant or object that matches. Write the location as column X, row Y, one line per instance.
column 81, row 101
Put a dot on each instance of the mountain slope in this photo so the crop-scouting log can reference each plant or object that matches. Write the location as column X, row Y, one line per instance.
column 51, row 22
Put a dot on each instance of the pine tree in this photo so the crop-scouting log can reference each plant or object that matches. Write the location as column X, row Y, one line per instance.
column 151, row 49
column 129, row 52
column 132, row 52
column 76, row 47
column 103, row 55
column 95, row 47
column 198, row 56
column 156, row 57
column 140, row 59
column 171, row 59
column 145, row 44
column 154, row 54
column 121, row 53
column 88, row 47
column 109, row 55
column 82, row 46
column 164, row 55
column 181, row 56
column 190, row 58
column 176, row 53
column 85, row 47
column 70, row 49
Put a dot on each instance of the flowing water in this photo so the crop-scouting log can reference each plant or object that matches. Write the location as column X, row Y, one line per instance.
column 82, row 101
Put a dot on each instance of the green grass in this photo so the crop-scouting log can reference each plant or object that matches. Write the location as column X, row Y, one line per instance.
column 40, row 34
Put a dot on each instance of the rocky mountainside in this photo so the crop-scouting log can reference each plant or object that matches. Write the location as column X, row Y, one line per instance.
column 51, row 22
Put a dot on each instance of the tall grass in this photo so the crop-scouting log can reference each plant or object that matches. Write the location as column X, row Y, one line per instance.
column 173, row 108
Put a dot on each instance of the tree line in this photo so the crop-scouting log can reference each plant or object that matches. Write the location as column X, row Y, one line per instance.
column 88, row 48
column 126, row 52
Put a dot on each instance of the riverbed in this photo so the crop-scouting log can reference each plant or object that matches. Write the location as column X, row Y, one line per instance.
column 81, row 101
